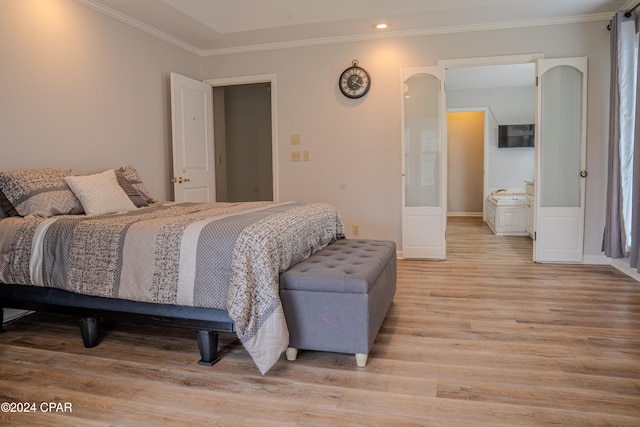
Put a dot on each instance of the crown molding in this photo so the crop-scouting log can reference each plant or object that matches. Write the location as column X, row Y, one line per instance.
column 98, row 7
column 409, row 33
column 340, row 39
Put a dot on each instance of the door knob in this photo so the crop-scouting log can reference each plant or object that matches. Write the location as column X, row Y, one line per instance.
column 179, row 180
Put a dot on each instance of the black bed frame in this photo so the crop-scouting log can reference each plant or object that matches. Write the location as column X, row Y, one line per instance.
column 207, row 322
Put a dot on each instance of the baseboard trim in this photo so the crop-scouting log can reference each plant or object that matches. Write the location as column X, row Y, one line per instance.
column 596, row 260
column 464, row 214
column 622, row 264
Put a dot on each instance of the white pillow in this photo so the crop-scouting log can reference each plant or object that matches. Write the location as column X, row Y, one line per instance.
column 100, row 193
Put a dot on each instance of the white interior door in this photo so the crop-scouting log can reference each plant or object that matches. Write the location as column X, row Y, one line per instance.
column 192, row 133
column 560, row 159
column 424, row 164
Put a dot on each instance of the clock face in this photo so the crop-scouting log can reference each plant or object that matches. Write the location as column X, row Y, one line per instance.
column 354, row 82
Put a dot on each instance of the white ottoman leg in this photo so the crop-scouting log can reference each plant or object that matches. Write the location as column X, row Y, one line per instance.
column 292, row 353
column 361, row 360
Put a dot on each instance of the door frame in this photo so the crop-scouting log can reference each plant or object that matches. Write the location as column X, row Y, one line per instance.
column 262, row 78
column 487, row 61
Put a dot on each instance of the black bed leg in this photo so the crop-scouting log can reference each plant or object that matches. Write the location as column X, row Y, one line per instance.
column 2, row 321
column 208, row 346
column 90, row 330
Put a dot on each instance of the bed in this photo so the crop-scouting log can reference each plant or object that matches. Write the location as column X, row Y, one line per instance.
column 99, row 243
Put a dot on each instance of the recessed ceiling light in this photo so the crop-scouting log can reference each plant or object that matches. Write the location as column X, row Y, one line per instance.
column 381, row 25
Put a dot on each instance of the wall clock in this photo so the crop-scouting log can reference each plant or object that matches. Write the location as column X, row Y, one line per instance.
column 354, row 81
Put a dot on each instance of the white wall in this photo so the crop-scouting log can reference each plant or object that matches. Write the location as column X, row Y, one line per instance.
column 355, row 145
column 81, row 90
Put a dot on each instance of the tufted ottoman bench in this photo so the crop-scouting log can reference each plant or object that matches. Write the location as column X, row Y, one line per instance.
column 336, row 299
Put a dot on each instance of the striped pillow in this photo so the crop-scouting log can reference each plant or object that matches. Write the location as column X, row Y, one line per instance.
column 133, row 194
column 6, row 208
column 134, row 179
column 39, row 192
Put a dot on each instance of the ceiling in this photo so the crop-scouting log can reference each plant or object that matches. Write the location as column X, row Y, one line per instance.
column 210, row 27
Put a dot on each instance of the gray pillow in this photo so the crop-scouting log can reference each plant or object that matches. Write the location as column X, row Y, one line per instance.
column 6, row 208
column 134, row 179
column 39, row 192
column 133, row 194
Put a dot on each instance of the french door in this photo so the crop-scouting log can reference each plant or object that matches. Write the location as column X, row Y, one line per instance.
column 424, row 164
column 560, row 121
column 560, row 159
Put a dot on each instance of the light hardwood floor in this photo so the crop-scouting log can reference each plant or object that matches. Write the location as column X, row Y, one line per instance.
column 484, row 338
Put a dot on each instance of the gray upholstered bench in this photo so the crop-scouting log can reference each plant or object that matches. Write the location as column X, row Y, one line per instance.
column 336, row 299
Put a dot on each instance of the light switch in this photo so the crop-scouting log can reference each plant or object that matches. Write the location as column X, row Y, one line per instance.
column 295, row 156
column 295, row 139
column 306, row 156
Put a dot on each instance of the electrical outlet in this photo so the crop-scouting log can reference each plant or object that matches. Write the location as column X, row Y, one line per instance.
column 355, row 229
column 295, row 139
column 306, row 156
column 295, row 156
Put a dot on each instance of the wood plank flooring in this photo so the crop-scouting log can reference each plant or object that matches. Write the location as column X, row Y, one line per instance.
column 485, row 338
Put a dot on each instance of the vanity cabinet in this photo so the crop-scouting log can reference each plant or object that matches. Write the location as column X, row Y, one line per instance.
column 506, row 217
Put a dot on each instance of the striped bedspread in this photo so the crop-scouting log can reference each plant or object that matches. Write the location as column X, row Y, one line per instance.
column 219, row 255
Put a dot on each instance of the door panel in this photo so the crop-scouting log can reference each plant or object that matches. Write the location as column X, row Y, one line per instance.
column 192, row 131
column 560, row 154
column 562, row 229
column 424, row 164
column 415, row 232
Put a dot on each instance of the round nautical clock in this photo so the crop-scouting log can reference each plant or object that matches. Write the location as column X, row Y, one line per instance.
column 354, row 81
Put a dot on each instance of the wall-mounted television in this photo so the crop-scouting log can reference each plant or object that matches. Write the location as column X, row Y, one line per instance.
column 516, row 136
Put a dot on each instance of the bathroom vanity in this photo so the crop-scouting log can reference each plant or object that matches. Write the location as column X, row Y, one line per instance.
column 507, row 213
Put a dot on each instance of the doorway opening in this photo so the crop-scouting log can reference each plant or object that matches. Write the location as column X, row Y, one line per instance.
column 244, row 138
column 242, row 142
column 465, row 169
column 479, row 99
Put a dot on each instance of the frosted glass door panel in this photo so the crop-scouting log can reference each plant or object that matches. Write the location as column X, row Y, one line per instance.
column 424, row 164
column 422, row 141
column 560, row 153
column 561, row 135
